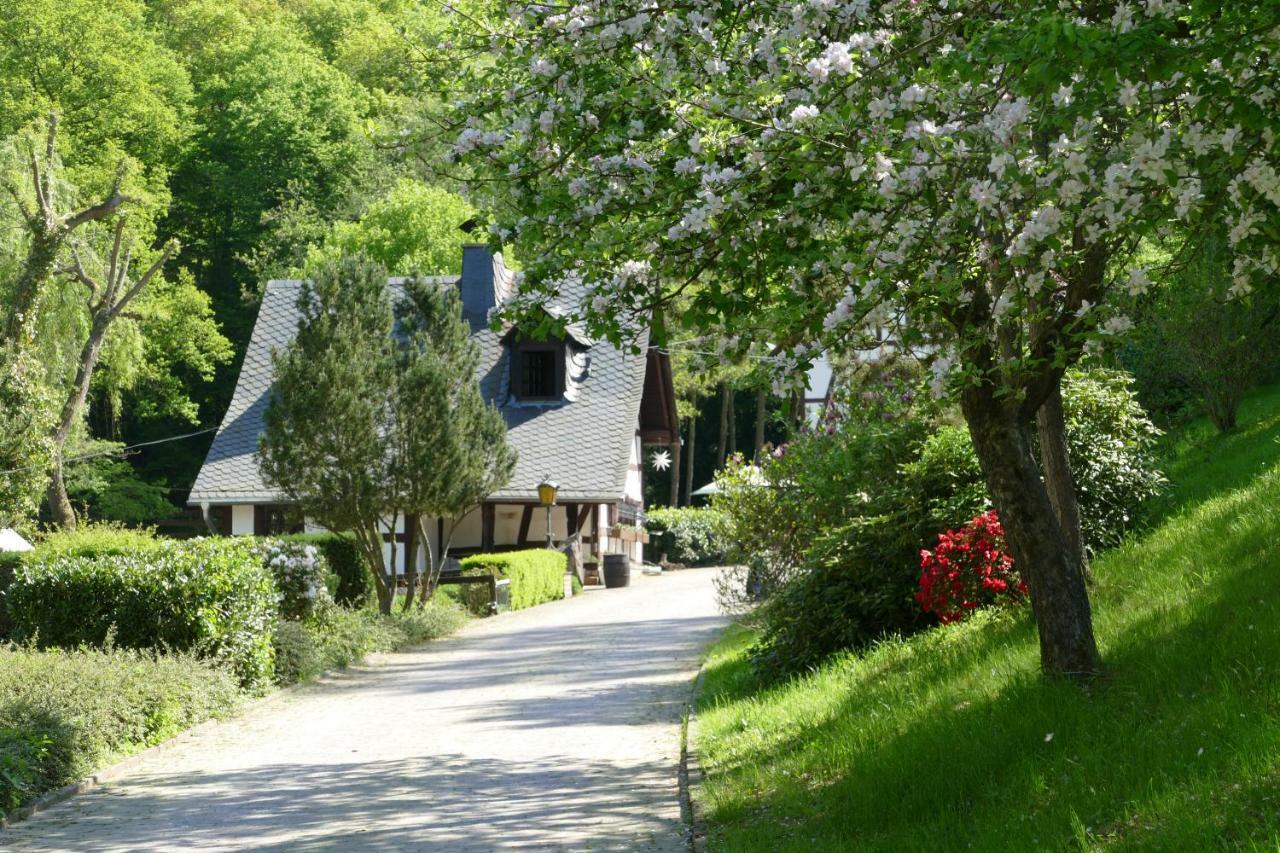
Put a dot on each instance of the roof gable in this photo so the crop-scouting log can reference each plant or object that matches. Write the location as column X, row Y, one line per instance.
column 584, row 443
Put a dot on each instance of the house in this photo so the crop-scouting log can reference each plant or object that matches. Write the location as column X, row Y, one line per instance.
column 579, row 411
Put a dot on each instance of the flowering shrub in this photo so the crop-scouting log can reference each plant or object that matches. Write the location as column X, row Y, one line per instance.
column 300, row 572
column 968, row 569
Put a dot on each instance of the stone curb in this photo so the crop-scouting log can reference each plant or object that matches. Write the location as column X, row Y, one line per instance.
column 691, row 771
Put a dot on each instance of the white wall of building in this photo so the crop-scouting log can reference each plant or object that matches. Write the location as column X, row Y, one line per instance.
column 507, row 517
column 242, row 520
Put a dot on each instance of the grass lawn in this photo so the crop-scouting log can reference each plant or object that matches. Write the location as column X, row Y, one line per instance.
column 950, row 740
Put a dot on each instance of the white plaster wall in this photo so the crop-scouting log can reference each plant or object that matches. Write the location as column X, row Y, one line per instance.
column 635, row 483
column 242, row 520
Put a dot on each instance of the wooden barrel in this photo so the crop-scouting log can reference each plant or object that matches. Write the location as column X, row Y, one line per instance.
column 617, row 570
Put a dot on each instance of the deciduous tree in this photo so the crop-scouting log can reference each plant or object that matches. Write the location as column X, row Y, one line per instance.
column 974, row 175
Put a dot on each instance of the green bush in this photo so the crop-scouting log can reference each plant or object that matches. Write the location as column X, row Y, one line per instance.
column 773, row 515
column 536, row 576
column 210, row 596
column 96, row 539
column 1111, row 442
column 65, row 713
column 828, row 534
column 9, row 563
column 856, row 588
column 22, row 756
column 688, row 536
column 355, row 585
column 942, row 487
column 339, row 637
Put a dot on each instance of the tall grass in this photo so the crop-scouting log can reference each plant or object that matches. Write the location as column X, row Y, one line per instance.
column 951, row 740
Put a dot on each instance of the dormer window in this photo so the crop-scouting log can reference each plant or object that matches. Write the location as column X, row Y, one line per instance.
column 537, row 372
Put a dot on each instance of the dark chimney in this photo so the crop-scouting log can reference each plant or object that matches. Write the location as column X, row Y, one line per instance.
column 476, row 283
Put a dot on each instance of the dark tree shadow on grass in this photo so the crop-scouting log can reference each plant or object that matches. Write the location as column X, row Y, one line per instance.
column 1176, row 747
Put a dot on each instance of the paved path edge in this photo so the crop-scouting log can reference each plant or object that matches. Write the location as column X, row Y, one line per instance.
column 49, row 799
column 691, row 767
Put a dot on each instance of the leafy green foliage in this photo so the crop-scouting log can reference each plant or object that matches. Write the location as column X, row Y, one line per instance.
column 65, row 713
column 945, row 480
column 213, row 597
column 1112, row 444
column 450, row 444
column 110, row 489
column 536, row 575
column 817, row 484
column 1164, row 756
column 1193, row 340
column 354, row 585
column 93, row 540
column 97, row 63
column 339, row 637
column 26, row 419
column 22, row 752
column 412, row 229
column 855, row 588
column 688, row 536
column 830, row 531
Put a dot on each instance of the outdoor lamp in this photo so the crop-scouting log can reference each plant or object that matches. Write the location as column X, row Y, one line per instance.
column 547, row 495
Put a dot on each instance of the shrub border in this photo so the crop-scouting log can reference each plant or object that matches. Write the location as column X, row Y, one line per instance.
column 49, row 799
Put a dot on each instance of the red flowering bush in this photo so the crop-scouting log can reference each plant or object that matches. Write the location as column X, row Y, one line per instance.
column 969, row 569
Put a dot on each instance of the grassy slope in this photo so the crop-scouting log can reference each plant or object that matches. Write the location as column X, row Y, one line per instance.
column 950, row 740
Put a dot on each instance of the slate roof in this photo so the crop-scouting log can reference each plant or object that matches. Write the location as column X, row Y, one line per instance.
column 583, row 444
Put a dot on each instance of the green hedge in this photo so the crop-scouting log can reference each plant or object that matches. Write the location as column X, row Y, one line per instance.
column 355, row 586
column 9, row 563
column 210, row 596
column 688, row 536
column 64, row 714
column 536, row 576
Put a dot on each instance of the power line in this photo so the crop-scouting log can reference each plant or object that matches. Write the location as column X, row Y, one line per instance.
column 114, row 452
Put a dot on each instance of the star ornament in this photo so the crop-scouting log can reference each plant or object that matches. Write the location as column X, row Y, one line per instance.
column 661, row 460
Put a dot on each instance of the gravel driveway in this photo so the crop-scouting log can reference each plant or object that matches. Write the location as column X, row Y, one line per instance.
column 554, row 728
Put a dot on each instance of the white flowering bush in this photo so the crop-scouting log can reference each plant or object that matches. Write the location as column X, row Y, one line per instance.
column 301, row 574
column 975, row 178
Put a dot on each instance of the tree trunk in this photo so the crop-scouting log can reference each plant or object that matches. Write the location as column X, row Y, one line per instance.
column 688, row 471
column 435, row 558
column 762, row 400
column 1059, row 597
column 410, row 568
column 723, row 446
column 370, row 542
column 733, row 422
column 59, row 504
column 1055, row 462
column 673, row 498
column 64, row 515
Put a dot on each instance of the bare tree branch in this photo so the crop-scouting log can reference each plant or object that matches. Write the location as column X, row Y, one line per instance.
column 170, row 249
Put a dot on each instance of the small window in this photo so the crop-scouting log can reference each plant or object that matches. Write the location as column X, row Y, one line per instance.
column 538, row 373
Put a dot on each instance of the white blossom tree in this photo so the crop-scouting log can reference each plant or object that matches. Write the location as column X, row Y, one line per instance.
column 969, row 173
